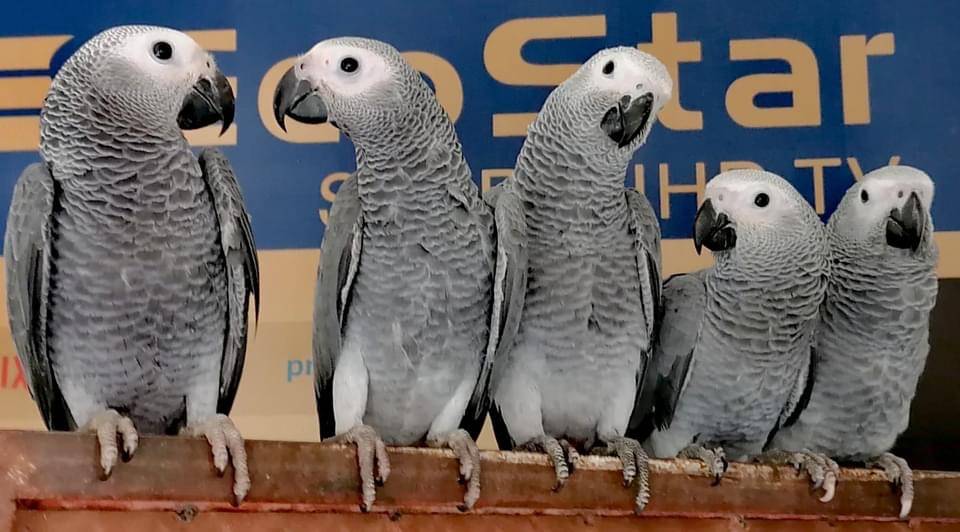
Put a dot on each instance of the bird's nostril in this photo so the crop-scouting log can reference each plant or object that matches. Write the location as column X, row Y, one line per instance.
column 899, row 193
column 639, row 85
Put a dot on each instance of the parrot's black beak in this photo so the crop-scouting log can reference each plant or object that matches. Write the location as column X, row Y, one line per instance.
column 905, row 226
column 298, row 99
column 713, row 230
column 626, row 120
column 210, row 101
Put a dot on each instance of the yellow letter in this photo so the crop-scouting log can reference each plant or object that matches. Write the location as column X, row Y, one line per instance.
column 22, row 133
column 666, row 188
column 854, row 76
column 215, row 41
column 502, row 55
column 818, row 165
column 739, row 165
column 672, row 52
column 857, row 171
column 803, row 82
column 487, row 175
column 639, row 179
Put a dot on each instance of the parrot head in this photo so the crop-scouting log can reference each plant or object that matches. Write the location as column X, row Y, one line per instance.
column 144, row 77
column 754, row 211
column 888, row 208
column 611, row 102
column 363, row 87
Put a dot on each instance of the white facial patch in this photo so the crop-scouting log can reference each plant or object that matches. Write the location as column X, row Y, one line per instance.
column 886, row 189
column 165, row 54
column 746, row 199
column 628, row 71
column 344, row 70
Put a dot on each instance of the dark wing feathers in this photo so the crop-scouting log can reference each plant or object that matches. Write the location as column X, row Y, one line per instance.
column 799, row 396
column 339, row 255
column 27, row 253
column 684, row 298
column 510, row 286
column 646, row 229
column 243, row 270
column 476, row 411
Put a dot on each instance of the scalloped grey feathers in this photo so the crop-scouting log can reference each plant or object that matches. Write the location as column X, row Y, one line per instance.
column 873, row 335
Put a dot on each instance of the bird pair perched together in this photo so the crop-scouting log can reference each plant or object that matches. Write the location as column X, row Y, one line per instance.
column 130, row 264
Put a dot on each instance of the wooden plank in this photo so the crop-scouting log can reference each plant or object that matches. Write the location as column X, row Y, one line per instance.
column 53, row 478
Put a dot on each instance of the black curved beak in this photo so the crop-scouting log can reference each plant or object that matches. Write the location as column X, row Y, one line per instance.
column 296, row 98
column 625, row 121
column 210, row 101
column 905, row 226
column 715, row 231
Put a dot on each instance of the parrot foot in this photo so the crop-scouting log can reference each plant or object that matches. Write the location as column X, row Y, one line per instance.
column 573, row 456
column 821, row 469
column 371, row 452
column 554, row 450
column 899, row 473
column 635, row 466
column 107, row 425
column 715, row 459
column 469, row 455
column 226, row 443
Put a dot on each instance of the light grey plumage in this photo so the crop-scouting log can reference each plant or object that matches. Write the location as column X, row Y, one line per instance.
column 404, row 291
column 129, row 261
column 873, row 335
column 578, row 268
column 734, row 347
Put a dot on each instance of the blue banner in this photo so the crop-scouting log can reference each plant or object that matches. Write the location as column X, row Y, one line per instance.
column 819, row 91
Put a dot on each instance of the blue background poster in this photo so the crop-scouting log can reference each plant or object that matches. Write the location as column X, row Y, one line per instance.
column 819, row 93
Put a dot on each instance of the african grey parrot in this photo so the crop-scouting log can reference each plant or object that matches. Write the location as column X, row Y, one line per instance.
column 578, row 269
column 873, row 336
column 404, row 291
column 129, row 261
column 733, row 357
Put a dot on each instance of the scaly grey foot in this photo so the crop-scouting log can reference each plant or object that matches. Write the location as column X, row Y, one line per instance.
column 573, row 456
column 715, row 460
column 635, row 466
column 226, row 444
column 821, row 469
column 107, row 425
column 469, row 455
column 899, row 473
column 553, row 449
column 371, row 453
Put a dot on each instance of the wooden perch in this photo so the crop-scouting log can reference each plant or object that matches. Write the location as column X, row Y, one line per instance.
column 50, row 482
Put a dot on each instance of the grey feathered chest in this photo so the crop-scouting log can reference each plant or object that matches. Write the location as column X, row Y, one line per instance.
column 138, row 284
column 873, row 341
column 583, row 323
column 420, row 301
column 753, row 346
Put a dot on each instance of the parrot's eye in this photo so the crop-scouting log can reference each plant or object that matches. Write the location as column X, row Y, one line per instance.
column 761, row 200
column 349, row 65
column 608, row 68
column 162, row 50
column 864, row 197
